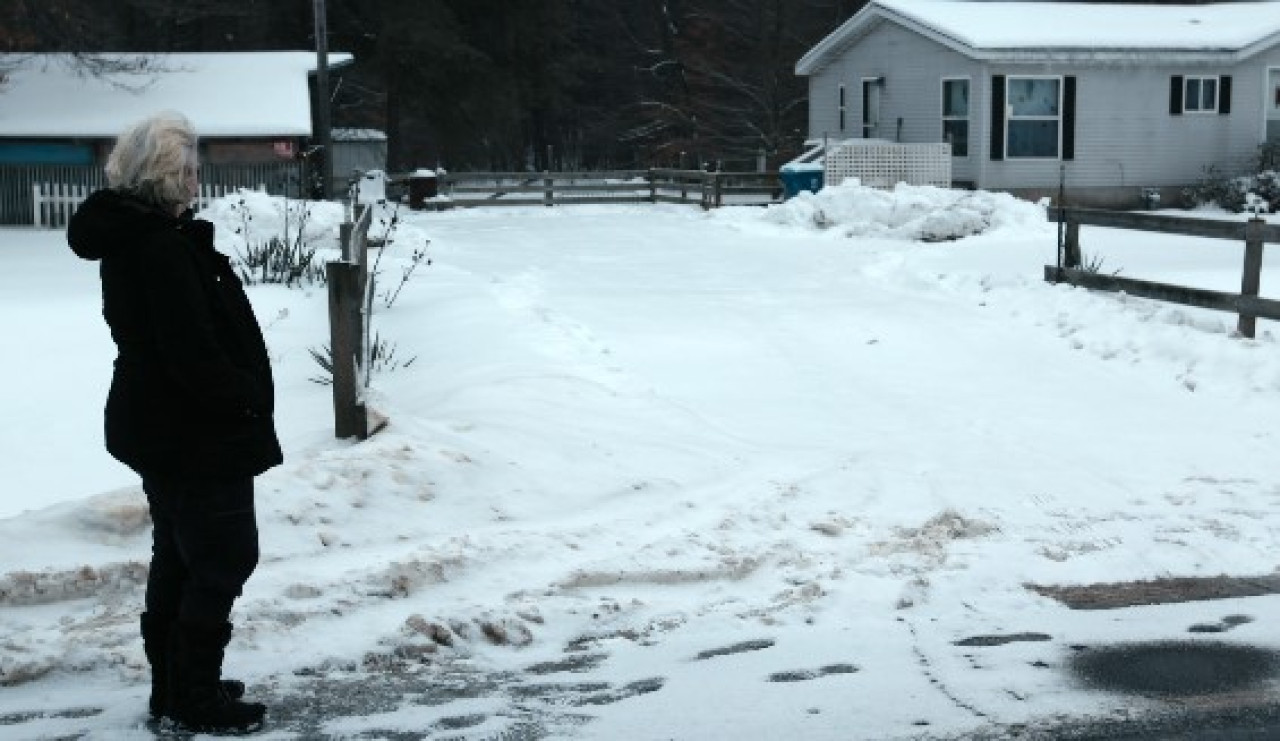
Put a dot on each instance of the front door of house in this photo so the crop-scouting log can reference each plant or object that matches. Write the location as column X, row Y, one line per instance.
column 1273, row 105
column 871, row 107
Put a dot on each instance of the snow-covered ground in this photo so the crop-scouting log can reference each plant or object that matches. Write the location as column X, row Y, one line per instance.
column 742, row 474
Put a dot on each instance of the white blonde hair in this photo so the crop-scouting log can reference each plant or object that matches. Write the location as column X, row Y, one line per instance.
column 153, row 158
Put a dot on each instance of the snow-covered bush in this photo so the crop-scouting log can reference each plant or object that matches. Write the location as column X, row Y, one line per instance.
column 1217, row 189
column 1259, row 192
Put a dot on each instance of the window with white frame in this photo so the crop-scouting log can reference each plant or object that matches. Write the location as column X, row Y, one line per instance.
column 955, row 115
column 1200, row 94
column 1034, row 122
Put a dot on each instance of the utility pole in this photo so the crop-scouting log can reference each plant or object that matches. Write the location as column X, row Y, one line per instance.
column 324, row 135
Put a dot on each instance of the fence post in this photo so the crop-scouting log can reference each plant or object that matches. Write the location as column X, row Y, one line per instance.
column 344, row 238
column 653, row 186
column 548, row 198
column 36, row 202
column 349, row 418
column 717, row 185
column 1251, row 281
column 1071, row 245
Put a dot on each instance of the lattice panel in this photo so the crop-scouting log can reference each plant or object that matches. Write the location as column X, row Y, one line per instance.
column 882, row 164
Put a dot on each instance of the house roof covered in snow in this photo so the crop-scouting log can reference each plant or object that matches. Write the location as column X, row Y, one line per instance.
column 225, row 94
column 1038, row 31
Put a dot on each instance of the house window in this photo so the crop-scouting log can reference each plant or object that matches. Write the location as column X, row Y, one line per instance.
column 842, row 109
column 955, row 116
column 1200, row 95
column 1035, row 116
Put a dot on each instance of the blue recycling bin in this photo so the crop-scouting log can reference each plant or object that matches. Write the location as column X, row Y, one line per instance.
column 798, row 177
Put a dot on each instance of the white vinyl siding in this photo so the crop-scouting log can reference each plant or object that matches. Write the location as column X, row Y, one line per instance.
column 1271, row 94
column 910, row 94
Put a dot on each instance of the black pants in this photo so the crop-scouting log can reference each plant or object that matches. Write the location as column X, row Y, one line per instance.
column 204, row 545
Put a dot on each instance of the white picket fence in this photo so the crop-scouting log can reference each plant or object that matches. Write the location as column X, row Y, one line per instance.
column 53, row 203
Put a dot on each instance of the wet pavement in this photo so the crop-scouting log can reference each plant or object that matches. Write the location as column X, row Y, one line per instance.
column 1216, row 691
column 1175, row 669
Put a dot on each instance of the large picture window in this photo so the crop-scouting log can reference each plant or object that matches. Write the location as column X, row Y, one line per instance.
column 1035, row 116
column 955, row 116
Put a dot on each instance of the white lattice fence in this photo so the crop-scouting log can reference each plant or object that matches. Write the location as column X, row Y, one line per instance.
column 53, row 203
column 882, row 164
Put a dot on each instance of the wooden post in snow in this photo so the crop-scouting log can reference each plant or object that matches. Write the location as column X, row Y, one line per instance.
column 1071, row 257
column 349, row 419
column 1251, row 280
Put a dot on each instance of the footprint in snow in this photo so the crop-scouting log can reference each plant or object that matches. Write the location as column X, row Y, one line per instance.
column 736, row 648
column 804, row 675
column 1222, row 626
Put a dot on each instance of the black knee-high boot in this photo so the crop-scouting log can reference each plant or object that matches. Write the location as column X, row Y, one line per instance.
column 197, row 701
column 155, row 642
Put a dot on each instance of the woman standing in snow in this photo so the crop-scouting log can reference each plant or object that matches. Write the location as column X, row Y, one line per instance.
column 190, row 410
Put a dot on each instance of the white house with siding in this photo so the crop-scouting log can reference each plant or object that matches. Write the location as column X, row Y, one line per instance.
column 1112, row 99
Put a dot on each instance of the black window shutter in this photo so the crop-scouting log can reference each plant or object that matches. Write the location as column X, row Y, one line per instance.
column 1175, row 95
column 997, row 117
column 1224, row 94
column 841, row 109
column 1069, row 118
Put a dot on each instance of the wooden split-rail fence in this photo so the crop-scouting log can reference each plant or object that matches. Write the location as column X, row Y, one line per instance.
column 1247, row 304
column 707, row 189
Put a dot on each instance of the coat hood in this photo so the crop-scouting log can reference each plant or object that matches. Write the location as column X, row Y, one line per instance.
column 109, row 221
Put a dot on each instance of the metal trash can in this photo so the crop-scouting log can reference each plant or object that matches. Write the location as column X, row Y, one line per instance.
column 796, row 178
column 423, row 185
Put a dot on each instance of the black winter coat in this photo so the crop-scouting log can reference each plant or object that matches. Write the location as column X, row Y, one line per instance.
column 192, row 392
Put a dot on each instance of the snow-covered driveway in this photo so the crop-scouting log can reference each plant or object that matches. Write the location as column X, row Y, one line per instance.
column 696, row 476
